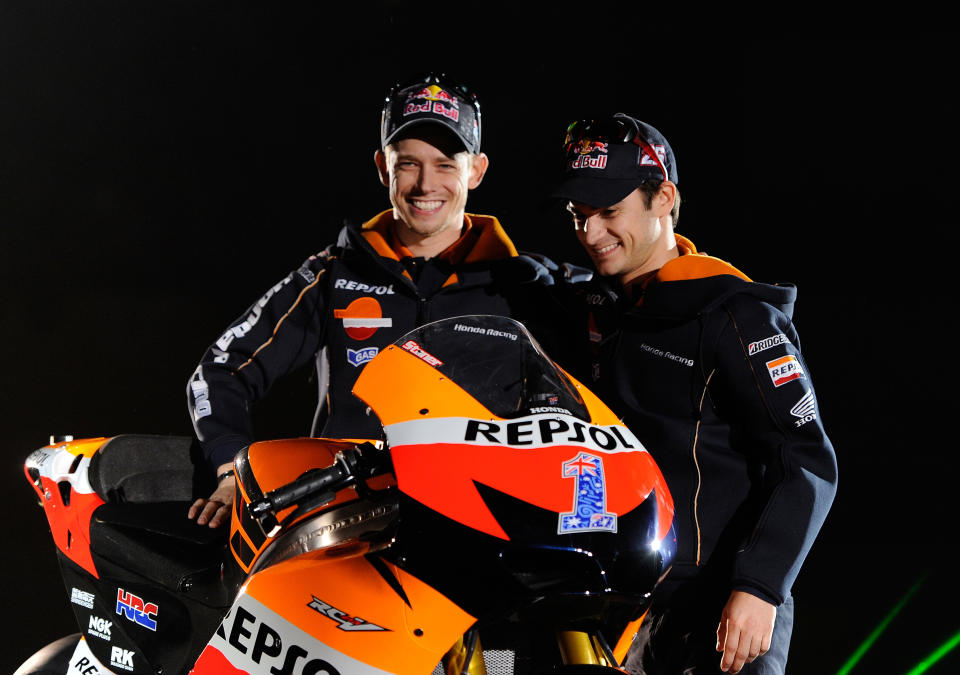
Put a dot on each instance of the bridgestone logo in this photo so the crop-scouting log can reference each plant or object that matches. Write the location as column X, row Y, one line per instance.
column 766, row 343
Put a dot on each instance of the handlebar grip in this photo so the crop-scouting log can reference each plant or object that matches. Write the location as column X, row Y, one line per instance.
column 312, row 482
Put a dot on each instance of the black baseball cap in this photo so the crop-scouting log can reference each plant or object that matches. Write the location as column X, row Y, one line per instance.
column 433, row 98
column 608, row 158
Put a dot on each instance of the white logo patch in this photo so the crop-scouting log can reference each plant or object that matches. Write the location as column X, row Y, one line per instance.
column 99, row 628
column 805, row 409
column 766, row 343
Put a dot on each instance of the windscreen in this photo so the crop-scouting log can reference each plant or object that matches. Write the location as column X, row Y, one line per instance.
column 497, row 362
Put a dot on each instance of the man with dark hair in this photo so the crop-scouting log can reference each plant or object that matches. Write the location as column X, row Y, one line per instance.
column 704, row 366
column 422, row 260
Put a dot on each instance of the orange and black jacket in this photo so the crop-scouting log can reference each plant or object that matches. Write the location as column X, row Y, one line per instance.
column 704, row 366
column 340, row 308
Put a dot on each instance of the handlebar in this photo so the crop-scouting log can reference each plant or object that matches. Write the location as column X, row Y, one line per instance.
column 317, row 487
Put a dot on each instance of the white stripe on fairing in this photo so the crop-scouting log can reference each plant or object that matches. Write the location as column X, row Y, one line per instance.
column 452, row 430
column 290, row 634
column 371, row 322
column 55, row 463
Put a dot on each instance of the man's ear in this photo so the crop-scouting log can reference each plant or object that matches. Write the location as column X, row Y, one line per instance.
column 380, row 159
column 478, row 169
column 665, row 198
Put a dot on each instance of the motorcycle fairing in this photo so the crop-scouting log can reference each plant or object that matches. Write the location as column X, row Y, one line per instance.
column 347, row 619
column 535, row 467
column 58, row 474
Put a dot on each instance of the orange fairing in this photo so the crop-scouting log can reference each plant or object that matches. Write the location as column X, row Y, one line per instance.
column 385, row 382
column 59, row 477
column 416, row 630
column 441, row 472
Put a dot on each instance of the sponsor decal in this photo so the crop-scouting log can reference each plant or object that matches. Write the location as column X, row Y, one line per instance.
column 82, row 598
column 785, row 369
column 201, row 395
column 414, row 348
column 306, row 273
column 532, row 431
column 432, row 99
column 549, row 409
column 348, row 285
column 247, row 324
column 588, row 162
column 766, row 343
column 357, row 357
column 254, row 639
column 136, row 610
column 589, row 512
column 99, row 628
column 805, row 409
column 362, row 317
column 587, row 146
column 483, row 331
column 344, row 621
column 83, row 662
column 666, row 355
column 661, row 153
column 121, row 658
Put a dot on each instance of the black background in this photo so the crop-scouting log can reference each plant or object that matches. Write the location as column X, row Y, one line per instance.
column 163, row 163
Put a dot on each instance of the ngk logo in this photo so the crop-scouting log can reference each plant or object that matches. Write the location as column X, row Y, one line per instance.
column 99, row 627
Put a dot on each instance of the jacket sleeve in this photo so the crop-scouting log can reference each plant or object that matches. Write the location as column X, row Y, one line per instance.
column 278, row 333
column 765, row 389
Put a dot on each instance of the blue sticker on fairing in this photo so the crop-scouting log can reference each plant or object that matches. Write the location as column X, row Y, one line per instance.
column 590, row 498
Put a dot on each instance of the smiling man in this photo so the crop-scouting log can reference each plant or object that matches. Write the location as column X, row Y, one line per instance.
column 704, row 367
column 422, row 260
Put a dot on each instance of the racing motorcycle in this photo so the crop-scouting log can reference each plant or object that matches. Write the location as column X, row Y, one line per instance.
column 507, row 523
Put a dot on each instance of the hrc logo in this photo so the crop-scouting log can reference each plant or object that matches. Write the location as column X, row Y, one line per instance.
column 136, row 610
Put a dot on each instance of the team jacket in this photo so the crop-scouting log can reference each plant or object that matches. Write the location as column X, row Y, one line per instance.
column 706, row 369
column 343, row 306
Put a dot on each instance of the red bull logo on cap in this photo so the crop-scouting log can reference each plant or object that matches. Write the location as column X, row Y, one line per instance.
column 433, row 99
column 586, row 146
column 583, row 149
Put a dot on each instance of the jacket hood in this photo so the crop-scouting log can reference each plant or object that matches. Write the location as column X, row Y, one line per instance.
column 694, row 282
column 482, row 251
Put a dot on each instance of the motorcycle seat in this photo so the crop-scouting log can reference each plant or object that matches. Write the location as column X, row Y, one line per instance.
column 150, row 468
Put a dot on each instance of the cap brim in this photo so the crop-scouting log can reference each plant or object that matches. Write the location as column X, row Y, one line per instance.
column 405, row 130
column 596, row 192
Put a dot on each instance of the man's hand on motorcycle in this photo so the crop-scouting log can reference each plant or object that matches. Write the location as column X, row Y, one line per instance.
column 215, row 510
column 745, row 630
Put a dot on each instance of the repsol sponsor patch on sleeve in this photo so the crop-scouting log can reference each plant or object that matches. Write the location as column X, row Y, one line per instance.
column 785, row 369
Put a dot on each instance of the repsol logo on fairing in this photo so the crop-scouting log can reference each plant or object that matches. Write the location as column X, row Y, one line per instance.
column 263, row 645
column 532, row 431
column 349, row 285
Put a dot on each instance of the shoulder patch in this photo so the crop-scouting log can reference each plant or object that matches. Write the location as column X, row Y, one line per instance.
column 767, row 343
column 785, row 369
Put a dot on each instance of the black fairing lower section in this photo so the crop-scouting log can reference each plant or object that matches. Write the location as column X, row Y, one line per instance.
column 538, row 575
column 150, row 554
